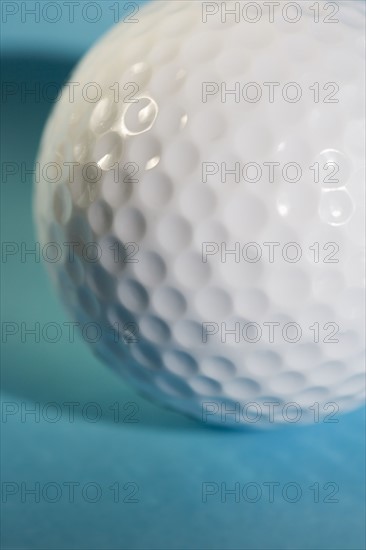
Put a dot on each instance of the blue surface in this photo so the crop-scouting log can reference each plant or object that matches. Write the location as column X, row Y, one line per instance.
column 67, row 29
column 164, row 455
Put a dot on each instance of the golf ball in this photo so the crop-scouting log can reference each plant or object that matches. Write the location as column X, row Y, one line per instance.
column 201, row 206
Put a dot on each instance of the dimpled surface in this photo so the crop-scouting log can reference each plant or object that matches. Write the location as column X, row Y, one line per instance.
column 157, row 209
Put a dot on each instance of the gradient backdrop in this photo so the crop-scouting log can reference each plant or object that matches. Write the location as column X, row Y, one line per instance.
column 137, row 485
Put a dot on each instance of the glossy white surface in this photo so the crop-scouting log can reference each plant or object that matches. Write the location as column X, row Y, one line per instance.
column 171, row 210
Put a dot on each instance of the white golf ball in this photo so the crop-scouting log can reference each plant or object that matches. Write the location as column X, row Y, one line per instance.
column 202, row 180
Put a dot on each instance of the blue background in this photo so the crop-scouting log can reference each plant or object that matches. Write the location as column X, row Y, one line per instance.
column 167, row 455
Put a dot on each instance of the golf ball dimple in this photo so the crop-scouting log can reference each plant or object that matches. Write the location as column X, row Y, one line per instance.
column 212, row 200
